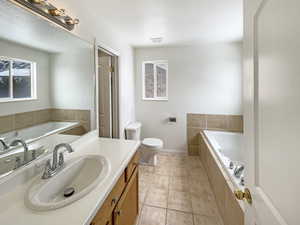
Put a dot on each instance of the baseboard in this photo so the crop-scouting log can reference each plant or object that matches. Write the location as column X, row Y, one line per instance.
column 173, row 151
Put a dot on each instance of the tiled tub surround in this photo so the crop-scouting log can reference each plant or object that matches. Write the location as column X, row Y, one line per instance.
column 199, row 122
column 228, row 150
column 177, row 192
column 28, row 119
column 72, row 115
column 231, row 210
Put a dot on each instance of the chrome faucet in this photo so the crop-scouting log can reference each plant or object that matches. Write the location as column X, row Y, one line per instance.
column 23, row 143
column 57, row 165
column 5, row 146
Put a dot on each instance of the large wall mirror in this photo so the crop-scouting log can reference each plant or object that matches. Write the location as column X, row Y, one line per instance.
column 47, row 87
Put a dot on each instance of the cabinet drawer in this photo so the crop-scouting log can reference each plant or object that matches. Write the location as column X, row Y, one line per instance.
column 132, row 165
column 110, row 202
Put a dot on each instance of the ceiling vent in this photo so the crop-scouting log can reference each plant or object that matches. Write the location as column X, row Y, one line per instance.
column 156, row 40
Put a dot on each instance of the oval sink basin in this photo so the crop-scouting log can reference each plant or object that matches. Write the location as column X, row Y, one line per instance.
column 78, row 178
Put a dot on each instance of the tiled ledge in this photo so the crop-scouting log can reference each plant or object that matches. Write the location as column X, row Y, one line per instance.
column 198, row 122
column 28, row 119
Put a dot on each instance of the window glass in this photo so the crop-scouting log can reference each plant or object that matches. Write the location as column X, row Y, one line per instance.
column 21, row 79
column 161, row 81
column 16, row 78
column 155, row 80
column 149, row 80
column 4, row 79
column 21, row 68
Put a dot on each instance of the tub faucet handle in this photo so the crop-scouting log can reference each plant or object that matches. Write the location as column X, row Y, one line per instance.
column 238, row 171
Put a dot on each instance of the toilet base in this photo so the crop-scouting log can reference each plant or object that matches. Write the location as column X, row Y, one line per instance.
column 148, row 158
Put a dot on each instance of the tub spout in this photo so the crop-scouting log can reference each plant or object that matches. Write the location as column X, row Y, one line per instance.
column 238, row 171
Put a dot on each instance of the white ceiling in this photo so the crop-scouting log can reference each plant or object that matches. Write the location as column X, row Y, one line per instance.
column 177, row 21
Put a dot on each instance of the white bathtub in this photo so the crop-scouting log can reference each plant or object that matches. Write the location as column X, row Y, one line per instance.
column 38, row 131
column 228, row 148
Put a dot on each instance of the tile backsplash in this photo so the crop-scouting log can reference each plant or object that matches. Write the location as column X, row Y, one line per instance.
column 28, row 119
column 198, row 122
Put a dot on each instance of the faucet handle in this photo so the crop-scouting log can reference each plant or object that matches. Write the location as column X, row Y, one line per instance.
column 17, row 162
column 47, row 172
column 61, row 159
column 5, row 146
column 33, row 154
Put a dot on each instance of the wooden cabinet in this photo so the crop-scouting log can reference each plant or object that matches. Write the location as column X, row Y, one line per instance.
column 102, row 221
column 127, row 208
column 121, row 205
column 131, row 166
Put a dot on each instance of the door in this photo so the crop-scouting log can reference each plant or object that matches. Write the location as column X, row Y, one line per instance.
column 272, row 111
column 108, row 94
column 105, row 111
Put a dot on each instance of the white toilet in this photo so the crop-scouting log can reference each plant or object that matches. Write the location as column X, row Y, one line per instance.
column 149, row 146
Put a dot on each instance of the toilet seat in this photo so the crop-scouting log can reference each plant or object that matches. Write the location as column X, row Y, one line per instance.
column 153, row 143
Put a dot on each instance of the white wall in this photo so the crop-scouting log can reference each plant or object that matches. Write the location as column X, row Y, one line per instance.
column 72, row 79
column 202, row 79
column 42, row 59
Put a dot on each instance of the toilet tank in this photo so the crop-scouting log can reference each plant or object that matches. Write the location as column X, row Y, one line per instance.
column 133, row 131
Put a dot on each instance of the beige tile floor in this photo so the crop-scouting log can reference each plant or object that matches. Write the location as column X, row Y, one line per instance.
column 176, row 192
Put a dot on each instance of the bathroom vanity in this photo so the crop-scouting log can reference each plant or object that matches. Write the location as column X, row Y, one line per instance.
column 113, row 201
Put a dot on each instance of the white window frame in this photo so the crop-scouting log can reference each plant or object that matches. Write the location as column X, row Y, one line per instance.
column 33, row 81
column 155, row 98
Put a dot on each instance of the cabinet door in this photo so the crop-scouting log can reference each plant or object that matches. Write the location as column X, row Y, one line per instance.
column 104, row 215
column 133, row 164
column 127, row 209
column 102, row 221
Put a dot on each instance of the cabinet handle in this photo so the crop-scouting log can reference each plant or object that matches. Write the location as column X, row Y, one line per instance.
column 114, row 201
column 119, row 212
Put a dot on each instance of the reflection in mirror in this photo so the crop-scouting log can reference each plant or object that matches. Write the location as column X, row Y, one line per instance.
column 46, row 87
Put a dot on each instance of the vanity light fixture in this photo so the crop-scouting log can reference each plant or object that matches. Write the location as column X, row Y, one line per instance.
column 49, row 11
column 57, row 12
column 72, row 21
column 37, row 1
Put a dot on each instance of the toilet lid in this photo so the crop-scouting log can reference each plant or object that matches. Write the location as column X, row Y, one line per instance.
column 153, row 143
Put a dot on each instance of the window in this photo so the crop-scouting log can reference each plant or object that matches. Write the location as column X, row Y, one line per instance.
column 17, row 79
column 155, row 80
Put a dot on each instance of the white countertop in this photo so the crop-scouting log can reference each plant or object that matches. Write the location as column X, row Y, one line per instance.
column 118, row 152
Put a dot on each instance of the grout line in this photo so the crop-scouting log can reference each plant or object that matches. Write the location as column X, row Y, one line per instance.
column 166, row 220
column 190, row 196
column 168, row 191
